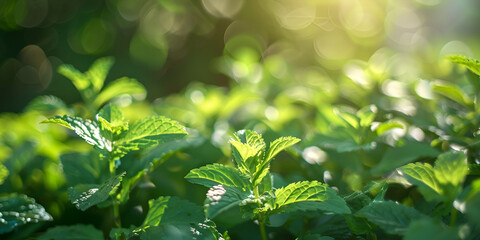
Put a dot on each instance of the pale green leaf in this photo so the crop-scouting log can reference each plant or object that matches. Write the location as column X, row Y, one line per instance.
column 151, row 131
column 385, row 126
column 3, row 173
column 214, row 174
column 391, row 217
column 348, row 116
column 278, row 145
column 422, row 174
column 367, row 115
column 85, row 128
column 451, row 168
column 98, row 72
column 470, row 63
column 399, row 156
column 86, row 196
column 78, row 79
column 221, row 198
column 308, row 196
column 17, row 210
column 119, row 87
column 248, row 148
column 453, row 92
column 46, row 103
column 74, row 232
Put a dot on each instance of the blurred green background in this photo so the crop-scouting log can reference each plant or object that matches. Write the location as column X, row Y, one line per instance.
column 167, row 44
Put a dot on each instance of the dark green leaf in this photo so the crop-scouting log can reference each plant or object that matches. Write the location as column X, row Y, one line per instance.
column 391, row 217
column 17, row 210
column 86, row 196
column 429, row 229
column 399, row 156
column 221, row 198
column 82, row 168
column 75, row 232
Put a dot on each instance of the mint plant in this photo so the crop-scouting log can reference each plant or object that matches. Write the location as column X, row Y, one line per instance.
column 248, row 184
column 112, row 137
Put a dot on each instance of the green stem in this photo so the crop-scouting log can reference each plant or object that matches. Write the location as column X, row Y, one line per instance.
column 263, row 233
column 116, row 208
column 453, row 217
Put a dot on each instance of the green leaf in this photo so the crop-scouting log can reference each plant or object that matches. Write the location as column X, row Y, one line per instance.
column 399, row 156
column 391, row 217
column 3, row 173
column 385, row 126
column 119, row 87
column 47, row 103
column 429, row 229
column 86, row 129
column 78, row 79
column 172, row 210
column 17, row 210
column 86, row 196
column 367, row 115
column 470, row 63
column 82, row 168
column 98, row 72
column 422, row 175
column 74, row 232
column 451, row 168
column 215, row 174
column 308, row 196
column 453, row 92
column 150, row 131
column 262, row 168
column 348, row 116
column 278, row 145
column 248, row 148
column 111, row 121
column 221, row 198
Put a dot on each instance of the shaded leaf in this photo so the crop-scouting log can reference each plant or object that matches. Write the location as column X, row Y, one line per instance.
column 429, row 229
column 215, row 174
column 46, row 103
column 82, row 168
column 17, row 210
column 307, row 196
column 86, row 196
column 221, row 198
column 391, row 217
column 74, row 232
column 399, row 156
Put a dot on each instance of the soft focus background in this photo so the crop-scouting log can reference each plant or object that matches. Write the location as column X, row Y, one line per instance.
column 167, row 44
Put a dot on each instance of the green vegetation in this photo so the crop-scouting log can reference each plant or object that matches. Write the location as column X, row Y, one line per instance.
column 303, row 124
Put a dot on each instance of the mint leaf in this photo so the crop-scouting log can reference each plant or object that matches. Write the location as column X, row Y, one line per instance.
column 78, row 79
column 215, row 174
column 391, row 217
column 453, row 92
column 399, row 156
column 279, row 145
column 150, row 131
column 221, row 198
column 427, row 228
column 451, row 168
column 119, row 87
column 423, row 176
column 98, row 72
column 74, row 232
column 84, row 128
column 470, row 63
column 86, row 196
column 82, row 168
column 17, row 210
column 308, row 196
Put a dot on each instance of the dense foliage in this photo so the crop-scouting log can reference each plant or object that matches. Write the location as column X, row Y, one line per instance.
column 320, row 126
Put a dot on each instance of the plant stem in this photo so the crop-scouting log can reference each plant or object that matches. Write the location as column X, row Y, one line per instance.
column 263, row 233
column 116, row 211
column 453, row 217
